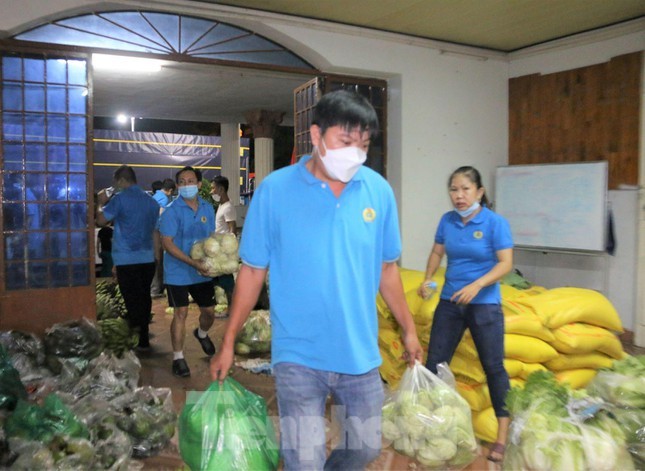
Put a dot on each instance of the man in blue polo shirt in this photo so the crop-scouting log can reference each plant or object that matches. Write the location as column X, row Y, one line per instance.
column 134, row 214
column 185, row 221
column 327, row 229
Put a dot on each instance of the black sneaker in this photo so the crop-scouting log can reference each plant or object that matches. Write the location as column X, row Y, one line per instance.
column 207, row 345
column 180, row 368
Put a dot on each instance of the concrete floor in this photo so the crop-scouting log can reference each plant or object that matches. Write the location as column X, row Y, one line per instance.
column 156, row 371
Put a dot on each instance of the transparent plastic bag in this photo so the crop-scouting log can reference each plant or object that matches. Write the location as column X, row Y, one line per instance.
column 227, row 428
column 148, row 417
column 255, row 336
column 428, row 420
column 218, row 252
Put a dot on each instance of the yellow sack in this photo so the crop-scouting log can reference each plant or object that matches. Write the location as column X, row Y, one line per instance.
column 468, row 368
column 513, row 367
column 389, row 342
column 411, row 279
column 485, row 425
column 577, row 379
column 530, row 368
column 519, row 319
column 528, row 349
column 593, row 360
column 476, row 395
column 561, row 306
column 510, row 292
column 391, row 371
column 585, row 338
column 466, row 348
column 535, row 290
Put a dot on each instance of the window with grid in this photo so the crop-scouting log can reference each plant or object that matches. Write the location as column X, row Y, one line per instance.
column 44, row 170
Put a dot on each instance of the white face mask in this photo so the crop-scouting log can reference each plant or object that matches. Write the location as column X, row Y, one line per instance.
column 342, row 164
column 468, row 211
column 216, row 198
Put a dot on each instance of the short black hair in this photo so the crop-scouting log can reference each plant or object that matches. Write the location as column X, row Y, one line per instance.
column 168, row 184
column 346, row 109
column 188, row 168
column 125, row 173
column 222, row 181
column 156, row 185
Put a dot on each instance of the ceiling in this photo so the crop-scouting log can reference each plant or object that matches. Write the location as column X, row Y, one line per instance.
column 197, row 92
column 502, row 25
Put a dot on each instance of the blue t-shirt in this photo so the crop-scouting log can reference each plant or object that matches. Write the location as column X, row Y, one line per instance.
column 186, row 227
column 471, row 251
column 134, row 214
column 161, row 198
column 324, row 256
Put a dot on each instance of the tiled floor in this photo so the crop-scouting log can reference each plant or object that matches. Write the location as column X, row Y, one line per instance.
column 156, row 372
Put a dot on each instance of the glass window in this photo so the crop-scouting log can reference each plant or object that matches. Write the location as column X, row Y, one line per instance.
column 34, row 97
column 12, row 96
column 56, row 99
column 160, row 33
column 45, row 204
column 12, row 155
column 12, row 68
column 56, row 71
column 36, row 160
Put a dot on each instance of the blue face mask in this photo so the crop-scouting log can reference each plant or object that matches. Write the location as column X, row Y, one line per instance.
column 467, row 212
column 189, row 191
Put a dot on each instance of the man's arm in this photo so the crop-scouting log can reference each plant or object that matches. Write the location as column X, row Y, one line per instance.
column 170, row 247
column 247, row 289
column 391, row 288
column 101, row 200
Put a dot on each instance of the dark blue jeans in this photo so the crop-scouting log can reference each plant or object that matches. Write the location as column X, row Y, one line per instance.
column 486, row 324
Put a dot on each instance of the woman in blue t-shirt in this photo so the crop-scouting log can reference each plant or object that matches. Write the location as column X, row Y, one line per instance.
column 479, row 249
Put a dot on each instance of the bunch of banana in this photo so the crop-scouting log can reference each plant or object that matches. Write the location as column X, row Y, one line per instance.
column 109, row 301
column 117, row 336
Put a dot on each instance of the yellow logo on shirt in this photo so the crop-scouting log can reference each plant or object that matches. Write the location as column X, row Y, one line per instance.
column 204, row 219
column 369, row 215
column 478, row 234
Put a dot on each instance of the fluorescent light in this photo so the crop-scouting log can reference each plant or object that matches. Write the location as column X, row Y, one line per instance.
column 122, row 118
column 125, row 63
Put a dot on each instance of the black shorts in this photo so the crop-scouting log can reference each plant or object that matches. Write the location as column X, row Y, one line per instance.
column 202, row 293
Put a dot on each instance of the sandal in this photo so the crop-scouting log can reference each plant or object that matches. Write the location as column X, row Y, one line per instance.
column 498, row 448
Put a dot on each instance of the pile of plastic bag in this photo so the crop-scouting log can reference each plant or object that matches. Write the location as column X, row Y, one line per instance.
column 70, row 406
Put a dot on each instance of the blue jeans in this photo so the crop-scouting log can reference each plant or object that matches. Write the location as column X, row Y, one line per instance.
column 486, row 324
column 302, row 393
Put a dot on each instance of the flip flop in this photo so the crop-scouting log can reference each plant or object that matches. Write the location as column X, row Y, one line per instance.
column 498, row 448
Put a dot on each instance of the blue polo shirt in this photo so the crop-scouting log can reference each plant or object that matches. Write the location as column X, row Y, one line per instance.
column 161, row 198
column 324, row 256
column 471, row 251
column 186, row 227
column 134, row 214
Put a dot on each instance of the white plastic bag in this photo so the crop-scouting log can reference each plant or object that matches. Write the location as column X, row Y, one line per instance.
column 428, row 420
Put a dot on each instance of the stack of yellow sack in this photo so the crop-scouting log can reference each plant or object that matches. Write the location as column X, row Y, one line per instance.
column 570, row 331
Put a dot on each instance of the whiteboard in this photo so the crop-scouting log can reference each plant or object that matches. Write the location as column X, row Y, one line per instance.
column 554, row 206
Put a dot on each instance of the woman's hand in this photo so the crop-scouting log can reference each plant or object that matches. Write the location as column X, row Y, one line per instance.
column 423, row 291
column 466, row 294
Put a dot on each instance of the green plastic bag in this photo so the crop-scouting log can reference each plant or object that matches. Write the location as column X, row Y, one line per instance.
column 11, row 388
column 227, row 428
column 33, row 422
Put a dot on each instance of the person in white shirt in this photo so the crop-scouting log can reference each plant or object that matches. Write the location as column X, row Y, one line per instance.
column 225, row 221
